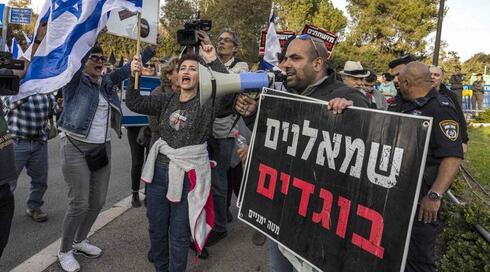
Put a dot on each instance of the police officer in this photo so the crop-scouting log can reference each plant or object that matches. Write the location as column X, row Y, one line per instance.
column 418, row 97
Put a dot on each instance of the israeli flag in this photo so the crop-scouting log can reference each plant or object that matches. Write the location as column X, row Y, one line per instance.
column 28, row 40
column 72, row 30
column 15, row 48
column 272, row 45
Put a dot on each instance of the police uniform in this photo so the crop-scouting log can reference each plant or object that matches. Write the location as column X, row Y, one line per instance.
column 445, row 141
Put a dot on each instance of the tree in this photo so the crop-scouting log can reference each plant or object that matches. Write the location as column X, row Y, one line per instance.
column 247, row 18
column 294, row 15
column 449, row 64
column 175, row 14
column 476, row 64
column 385, row 29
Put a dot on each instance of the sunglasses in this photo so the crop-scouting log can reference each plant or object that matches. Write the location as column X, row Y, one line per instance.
column 305, row 37
column 149, row 66
column 96, row 58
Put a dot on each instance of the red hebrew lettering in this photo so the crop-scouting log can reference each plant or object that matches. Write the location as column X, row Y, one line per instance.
column 324, row 215
column 372, row 246
column 285, row 183
column 307, row 190
column 272, row 173
column 344, row 205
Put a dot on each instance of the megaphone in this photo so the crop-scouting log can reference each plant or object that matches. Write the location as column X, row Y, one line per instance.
column 217, row 84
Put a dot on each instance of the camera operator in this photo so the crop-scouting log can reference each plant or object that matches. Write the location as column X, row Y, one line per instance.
column 7, row 175
column 228, row 44
column 27, row 120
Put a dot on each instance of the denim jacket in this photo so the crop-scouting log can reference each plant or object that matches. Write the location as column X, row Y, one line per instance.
column 81, row 98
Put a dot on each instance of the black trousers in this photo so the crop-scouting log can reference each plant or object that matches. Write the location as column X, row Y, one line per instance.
column 137, row 157
column 421, row 255
column 234, row 181
column 6, row 214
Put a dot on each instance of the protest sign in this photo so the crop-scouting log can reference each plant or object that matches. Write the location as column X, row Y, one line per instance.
column 131, row 118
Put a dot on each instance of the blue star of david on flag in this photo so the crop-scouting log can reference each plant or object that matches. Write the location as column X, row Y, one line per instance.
column 61, row 6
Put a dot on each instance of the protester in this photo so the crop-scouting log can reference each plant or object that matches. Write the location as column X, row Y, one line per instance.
column 418, row 97
column 354, row 74
column 378, row 100
column 139, row 139
column 456, row 82
column 307, row 74
column 169, row 83
column 90, row 106
column 387, row 87
column 8, row 174
column 27, row 120
column 173, row 196
column 223, row 142
column 478, row 93
column 437, row 75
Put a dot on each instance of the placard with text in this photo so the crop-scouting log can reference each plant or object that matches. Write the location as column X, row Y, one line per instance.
column 338, row 190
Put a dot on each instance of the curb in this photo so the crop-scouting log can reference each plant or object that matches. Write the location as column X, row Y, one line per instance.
column 49, row 255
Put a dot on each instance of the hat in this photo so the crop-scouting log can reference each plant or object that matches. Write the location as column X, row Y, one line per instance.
column 405, row 59
column 354, row 69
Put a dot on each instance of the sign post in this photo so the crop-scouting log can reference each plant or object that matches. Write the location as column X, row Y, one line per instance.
column 338, row 191
column 3, row 24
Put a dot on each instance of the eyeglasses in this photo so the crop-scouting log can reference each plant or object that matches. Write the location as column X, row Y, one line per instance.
column 96, row 58
column 225, row 40
column 305, row 37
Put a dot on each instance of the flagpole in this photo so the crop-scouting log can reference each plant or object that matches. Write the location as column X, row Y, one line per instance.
column 138, row 49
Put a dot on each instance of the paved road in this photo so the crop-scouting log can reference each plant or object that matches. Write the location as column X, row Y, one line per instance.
column 28, row 237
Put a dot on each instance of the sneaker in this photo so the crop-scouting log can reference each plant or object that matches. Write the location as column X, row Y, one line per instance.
column 68, row 262
column 86, row 249
column 215, row 237
column 37, row 215
column 136, row 203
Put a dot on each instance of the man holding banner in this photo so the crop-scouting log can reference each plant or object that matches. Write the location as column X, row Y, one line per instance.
column 443, row 159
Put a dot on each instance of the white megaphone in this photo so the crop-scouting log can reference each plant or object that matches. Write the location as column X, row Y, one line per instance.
column 217, row 84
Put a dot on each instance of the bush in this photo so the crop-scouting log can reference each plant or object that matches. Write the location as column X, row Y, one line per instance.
column 464, row 249
column 483, row 117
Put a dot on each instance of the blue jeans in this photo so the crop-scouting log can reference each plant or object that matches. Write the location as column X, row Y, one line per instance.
column 219, row 181
column 169, row 222
column 279, row 263
column 33, row 155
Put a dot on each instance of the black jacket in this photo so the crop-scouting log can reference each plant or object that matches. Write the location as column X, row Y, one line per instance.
column 461, row 120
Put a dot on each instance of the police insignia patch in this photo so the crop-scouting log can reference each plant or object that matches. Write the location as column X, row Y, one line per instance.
column 450, row 128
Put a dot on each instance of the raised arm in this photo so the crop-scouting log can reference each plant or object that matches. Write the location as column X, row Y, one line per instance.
column 149, row 105
column 124, row 72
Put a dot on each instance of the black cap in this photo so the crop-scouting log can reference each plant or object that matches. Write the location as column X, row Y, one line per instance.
column 405, row 59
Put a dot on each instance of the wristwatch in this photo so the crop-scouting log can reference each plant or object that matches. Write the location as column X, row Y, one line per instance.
column 434, row 195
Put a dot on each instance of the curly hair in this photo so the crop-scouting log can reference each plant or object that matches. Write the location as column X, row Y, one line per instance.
column 168, row 68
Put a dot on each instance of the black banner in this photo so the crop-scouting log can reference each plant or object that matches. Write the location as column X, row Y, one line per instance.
column 338, row 190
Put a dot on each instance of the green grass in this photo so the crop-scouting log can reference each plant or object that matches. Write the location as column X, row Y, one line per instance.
column 478, row 156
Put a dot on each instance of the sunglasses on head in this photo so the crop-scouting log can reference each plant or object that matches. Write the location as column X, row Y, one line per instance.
column 96, row 58
column 305, row 37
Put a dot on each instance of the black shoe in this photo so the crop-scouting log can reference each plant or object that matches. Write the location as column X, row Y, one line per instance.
column 37, row 215
column 215, row 237
column 136, row 203
column 229, row 216
column 258, row 238
column 150, row 256
column 204, row 252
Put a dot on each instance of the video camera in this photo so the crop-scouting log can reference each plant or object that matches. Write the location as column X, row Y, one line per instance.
column 189, row 35
column 9, row 83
